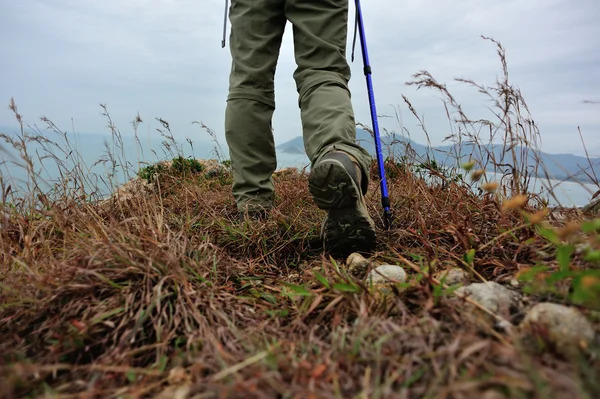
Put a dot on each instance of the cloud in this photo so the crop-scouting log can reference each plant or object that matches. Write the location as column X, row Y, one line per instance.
column 163, row 58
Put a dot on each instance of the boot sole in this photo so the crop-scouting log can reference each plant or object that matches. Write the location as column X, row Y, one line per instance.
column 348, row 226
column 346, row 231
column 331, row 186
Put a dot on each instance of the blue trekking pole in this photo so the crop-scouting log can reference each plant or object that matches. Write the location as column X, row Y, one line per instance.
column 385, row 199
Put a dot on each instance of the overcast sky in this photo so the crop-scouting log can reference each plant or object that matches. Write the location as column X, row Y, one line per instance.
column 163, row 58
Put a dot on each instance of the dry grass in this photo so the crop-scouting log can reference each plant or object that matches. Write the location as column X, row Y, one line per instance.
column 165, row 293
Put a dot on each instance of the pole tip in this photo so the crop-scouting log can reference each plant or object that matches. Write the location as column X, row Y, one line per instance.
column 387, row 219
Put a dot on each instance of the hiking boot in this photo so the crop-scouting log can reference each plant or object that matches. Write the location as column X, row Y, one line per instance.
column 337, row 185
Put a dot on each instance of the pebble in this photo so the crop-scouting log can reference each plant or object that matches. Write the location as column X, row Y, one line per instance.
column 492, row 296
column 384, row 276
column 492, row 394
column 563, row 327
column 357, row 264
column 453, row 276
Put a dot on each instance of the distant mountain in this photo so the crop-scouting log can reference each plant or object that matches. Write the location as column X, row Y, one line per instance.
column 566, row 167
column 294, row 146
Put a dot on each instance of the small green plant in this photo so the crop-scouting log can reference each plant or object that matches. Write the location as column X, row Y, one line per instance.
column 179, row 166
column 148, row 172
column 185, row 166
column 226, row 163
column 577, row 275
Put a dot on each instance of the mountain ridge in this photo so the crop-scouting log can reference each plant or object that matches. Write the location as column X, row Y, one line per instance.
column 563, row 167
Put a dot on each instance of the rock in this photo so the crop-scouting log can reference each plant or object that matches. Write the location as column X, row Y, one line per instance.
column 177, row 375
column 214, row 173
column 384, row 276
column 562, row 327
column 492, row 394
column 387, row 274
column 174, row 392
column 357, row 264
column 213, row 168
column 179, row 381
column 504, row 326
column 453, row 276
column 135, row 187
column 492, row 296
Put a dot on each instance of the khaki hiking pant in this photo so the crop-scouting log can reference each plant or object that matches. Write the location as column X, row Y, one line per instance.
column 322, row 75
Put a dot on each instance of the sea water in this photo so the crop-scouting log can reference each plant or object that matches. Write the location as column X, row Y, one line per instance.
column 99, row 156
column 566, row 193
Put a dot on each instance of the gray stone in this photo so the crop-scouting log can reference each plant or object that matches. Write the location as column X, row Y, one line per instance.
column 492, row 296
column 563, row 327
column 387, row 274
column 492, row 394
column 453, row 276
column 384, row 276
column 213, row 169
column 357, row 264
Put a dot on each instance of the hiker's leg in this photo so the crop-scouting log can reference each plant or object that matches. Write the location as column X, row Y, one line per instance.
column 335, row 182
column 257, row 28
column 322, row 75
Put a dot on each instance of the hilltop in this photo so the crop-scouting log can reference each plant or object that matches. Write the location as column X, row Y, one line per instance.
column 159, row 291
